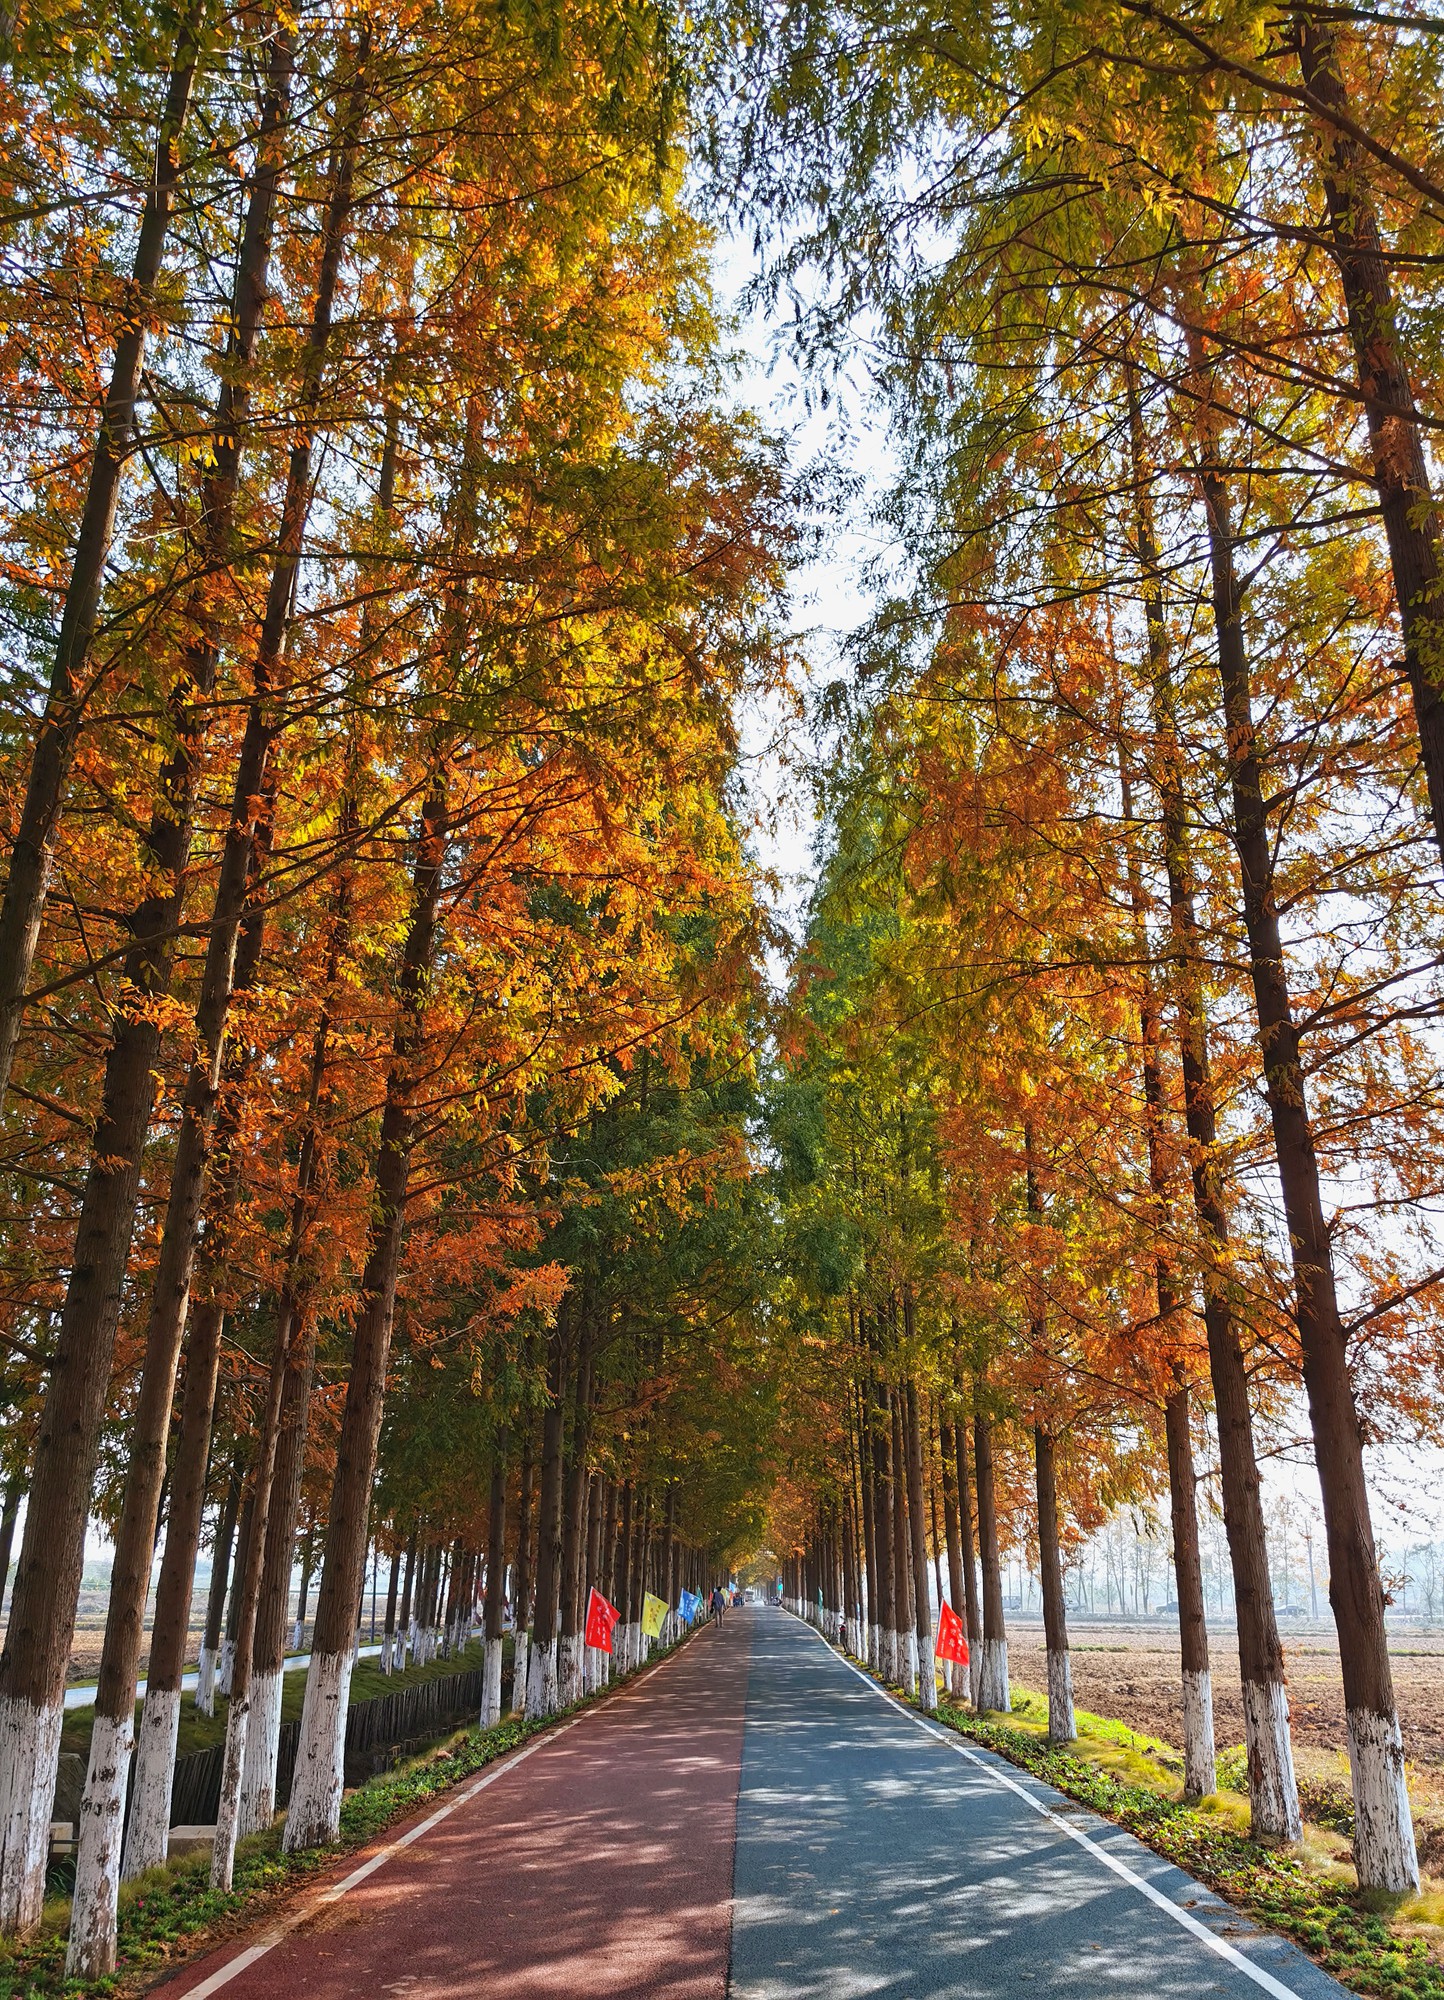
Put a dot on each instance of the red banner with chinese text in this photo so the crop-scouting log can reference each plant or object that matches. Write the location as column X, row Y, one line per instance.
column 952, row 1640
column 601, row 1617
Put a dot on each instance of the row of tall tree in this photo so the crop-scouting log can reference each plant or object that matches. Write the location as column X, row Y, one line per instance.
column 380, row 568
column 1132, row 918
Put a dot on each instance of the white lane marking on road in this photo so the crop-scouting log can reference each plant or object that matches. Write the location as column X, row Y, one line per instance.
column 1183, row 1918
column 268, row 1940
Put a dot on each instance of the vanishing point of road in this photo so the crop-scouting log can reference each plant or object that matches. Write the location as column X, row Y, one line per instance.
column 755, row 1818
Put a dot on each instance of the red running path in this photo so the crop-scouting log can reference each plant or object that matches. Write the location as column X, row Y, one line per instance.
column 600, row 1863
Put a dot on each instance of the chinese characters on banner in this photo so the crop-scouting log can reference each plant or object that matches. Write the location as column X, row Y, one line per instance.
column 601, row 1617
column 952, row 1641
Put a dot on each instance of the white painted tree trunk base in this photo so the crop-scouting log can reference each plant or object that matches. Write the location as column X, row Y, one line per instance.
column 313, row 1816
column 1061, row 1726
column 1200, row 1772
column 541, row 1682
column 1273, row 1789
column 147, row 1838
column 91, row 1953
column 224, row 1667
column 1384, row 1850
column 993, row 1695
column 911, row 1675
column 233, row 1770
column 263, row 1745
column 569, row 1669
column 927, row 1675
column 29, row 1760
column 206, row 1682
column 491, row 1684
column 518, row 1673
column 962, row 1681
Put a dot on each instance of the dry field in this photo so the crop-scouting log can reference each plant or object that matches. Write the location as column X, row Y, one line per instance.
column 1131, row 1672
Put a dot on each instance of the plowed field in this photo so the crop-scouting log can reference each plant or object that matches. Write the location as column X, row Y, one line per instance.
column 1132, row 1672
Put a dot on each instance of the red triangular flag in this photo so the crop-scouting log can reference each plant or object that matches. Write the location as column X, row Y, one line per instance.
column 951, row 1642
column 601, row 1617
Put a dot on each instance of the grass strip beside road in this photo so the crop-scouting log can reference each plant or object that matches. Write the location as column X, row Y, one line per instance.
column 172, row 1914
column 1376, row 1946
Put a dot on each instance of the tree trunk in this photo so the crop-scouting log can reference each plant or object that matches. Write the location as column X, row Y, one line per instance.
column 23, row 905
column 992, row 1675
column 960, row 1679
column 1384, row 1836
column 624, row 1576
column 298, row 1630
column 905, row 1639
column 314, row 1813
column 641, row 1551
column 1273, row 1790
column 248, row 1595
column 1061, row 1726
column 523, row 1570
column 233, row 1608
column 1401, row 471
column 495, row 1588
column 1198, row 1738
column 665, row 1583
column 541, row 1691
column 216, row 1597
column 268, row 1671
column 883, row 1536
column 871, row 1643
column 970, row 1567
column 147, row 1833
column 406, row 1635
column 14, row 1487
column 923, row 1616
column 607, row 1570
column 1199, row 1774
column 592, row 1574
column 571, row 1644
column 393, row 1593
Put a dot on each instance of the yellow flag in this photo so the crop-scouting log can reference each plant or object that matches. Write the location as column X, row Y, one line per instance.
column 654, row 1610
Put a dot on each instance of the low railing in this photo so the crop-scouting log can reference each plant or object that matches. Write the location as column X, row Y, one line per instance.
column 379, row 1733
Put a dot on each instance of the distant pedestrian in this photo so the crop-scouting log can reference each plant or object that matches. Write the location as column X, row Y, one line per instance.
column 718, row 1605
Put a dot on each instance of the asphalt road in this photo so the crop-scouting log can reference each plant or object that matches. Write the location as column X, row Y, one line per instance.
column 878, row 1856
column 754, row 1818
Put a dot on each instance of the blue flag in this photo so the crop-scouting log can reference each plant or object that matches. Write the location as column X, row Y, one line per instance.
column 690, row 1604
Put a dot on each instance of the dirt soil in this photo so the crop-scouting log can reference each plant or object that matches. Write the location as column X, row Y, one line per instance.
column 1132, row 1672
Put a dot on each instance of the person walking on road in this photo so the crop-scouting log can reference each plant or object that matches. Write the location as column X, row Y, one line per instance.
column 719, row 1605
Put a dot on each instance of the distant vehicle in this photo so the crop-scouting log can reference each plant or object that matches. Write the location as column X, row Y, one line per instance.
column 1164, row 1609
column 1291, row 1611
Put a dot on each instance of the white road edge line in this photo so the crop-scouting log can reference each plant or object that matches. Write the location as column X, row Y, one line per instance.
column 234, row 1967
column 1183, row 1918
